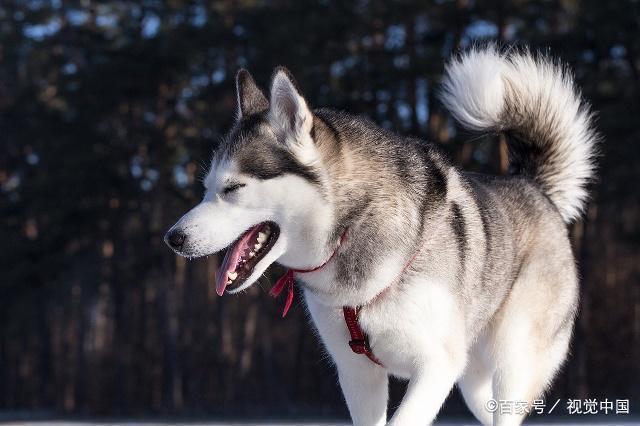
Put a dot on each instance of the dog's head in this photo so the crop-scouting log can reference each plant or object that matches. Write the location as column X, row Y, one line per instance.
column 264, row 197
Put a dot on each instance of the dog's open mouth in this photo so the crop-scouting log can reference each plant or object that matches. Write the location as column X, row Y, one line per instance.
column 244, row 254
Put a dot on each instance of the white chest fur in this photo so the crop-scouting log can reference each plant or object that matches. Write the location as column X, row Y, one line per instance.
column 400, row 325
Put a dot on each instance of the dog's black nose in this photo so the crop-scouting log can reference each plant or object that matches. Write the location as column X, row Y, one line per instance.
column 175, row 239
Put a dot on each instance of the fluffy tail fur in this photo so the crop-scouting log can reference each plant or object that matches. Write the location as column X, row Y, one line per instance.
column 535, row 103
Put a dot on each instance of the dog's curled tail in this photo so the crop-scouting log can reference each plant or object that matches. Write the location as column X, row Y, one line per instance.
column 535, row 103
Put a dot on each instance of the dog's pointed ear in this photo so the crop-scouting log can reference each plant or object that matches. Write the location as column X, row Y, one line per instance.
column 251, row 100
column 288, row 107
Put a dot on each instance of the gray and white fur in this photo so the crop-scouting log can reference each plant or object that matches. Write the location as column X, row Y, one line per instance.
column 490, row 298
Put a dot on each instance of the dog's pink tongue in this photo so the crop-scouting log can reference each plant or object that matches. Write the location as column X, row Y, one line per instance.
column 228, row 265
column 233, row 256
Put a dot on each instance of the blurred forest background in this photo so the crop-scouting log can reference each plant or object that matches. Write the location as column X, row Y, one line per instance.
column 109, row 112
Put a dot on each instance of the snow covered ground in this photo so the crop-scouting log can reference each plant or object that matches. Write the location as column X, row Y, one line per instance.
column 555, row 422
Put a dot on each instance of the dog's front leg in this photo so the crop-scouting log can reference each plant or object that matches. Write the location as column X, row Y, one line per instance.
column 364, row 384
column 365, row 388
column 427, row 390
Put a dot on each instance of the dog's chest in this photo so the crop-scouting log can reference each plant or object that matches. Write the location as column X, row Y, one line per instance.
column 400, row 326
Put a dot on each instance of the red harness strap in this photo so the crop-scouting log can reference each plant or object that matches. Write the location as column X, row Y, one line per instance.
column 359, row 342
column 288, row 279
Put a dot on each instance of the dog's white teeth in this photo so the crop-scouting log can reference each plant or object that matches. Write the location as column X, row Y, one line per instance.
column 251, row 254
column 229, row 282
column 257, row 247
column 262, row 237
column 232, row 275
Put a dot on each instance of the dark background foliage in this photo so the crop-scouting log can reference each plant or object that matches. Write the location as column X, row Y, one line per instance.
column 109, row 112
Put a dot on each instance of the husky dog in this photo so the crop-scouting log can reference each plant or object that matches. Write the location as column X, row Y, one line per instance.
column 458, row 277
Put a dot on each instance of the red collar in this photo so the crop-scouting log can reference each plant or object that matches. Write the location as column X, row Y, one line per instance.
column 288, row 279
column 359, row 342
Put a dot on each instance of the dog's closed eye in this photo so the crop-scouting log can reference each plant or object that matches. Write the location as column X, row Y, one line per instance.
column 231, row 188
